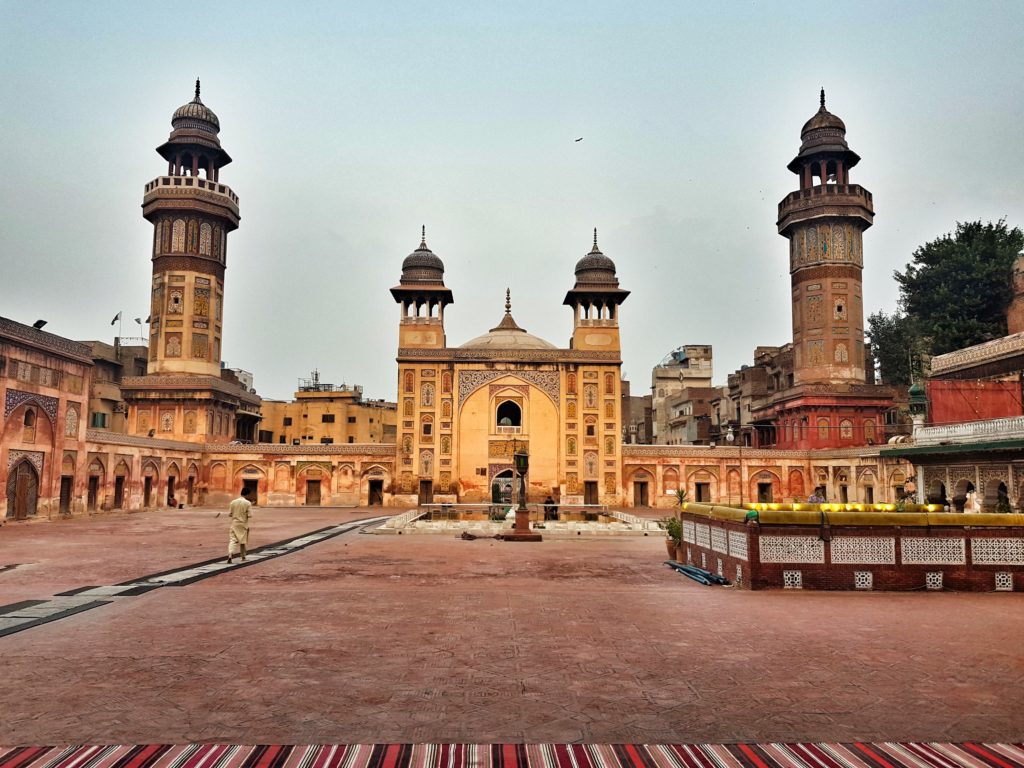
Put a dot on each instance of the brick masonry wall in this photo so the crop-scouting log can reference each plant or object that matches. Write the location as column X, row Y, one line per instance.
column 844, row 558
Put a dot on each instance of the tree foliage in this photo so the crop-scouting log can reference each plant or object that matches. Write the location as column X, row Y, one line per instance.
column 895, row 346
column 957, row 288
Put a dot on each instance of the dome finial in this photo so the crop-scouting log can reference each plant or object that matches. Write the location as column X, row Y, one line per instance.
column 423, row 236
column 197, row 89
column 508, row 301
column 823, row 97
column 595, row 238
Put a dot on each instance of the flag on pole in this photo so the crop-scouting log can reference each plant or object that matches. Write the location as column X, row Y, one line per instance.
column 116, row 318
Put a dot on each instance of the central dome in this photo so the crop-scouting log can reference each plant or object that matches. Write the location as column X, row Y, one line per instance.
column 507, row 335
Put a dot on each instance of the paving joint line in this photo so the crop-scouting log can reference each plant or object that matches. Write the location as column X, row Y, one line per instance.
column 17, row 617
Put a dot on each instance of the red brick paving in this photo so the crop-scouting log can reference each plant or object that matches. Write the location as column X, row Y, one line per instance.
column 430, row 638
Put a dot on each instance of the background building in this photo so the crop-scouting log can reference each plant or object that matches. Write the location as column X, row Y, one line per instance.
column 325, row 414
column 686, row 366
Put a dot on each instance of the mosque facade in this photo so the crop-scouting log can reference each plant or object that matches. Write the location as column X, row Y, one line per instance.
column 192, row 431
column 465, row 410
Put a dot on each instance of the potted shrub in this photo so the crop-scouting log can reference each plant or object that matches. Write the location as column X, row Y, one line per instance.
column 674, row 532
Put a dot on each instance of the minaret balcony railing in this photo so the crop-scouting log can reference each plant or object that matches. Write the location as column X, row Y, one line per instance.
column 163, row 184
column 826, row 191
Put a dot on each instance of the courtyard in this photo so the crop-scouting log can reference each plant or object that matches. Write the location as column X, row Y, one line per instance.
column 373, row 639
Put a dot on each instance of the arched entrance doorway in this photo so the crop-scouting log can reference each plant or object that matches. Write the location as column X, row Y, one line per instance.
column 22, row 490
column 505, row 482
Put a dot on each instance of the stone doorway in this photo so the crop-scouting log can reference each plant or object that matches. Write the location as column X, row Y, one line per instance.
column 375, row 497
column 640, row 494
column 66, row 482
column 590, row 492
column 118, row 491
column 426, row 492
column 312, row 493
column 254, row 487
column 22, row 491
column 92, row 493
column 764, row 492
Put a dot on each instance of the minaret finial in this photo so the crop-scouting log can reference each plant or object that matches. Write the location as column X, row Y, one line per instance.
column 595, row 238
column 423, row 236
column 508, row 301
column 197, row 89
column 823, row 97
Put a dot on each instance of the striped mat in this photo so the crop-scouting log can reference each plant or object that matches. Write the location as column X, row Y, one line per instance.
column 858, row 755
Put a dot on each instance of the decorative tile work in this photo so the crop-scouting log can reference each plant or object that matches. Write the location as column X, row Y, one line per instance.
column 793, row 579
column 997, row 551
column 703, row 535
column 864, row 549
column 15, row 397
column 718, row 540
column 36, row 457
column 1004, row 581
column 689, row 556
column 738, row 545
column 547, row 381
column 921, row 551
column 703, row 560
column 792, row 549
column 739, row 575
column 933, row 580
column 688, row 533
column 863, row 580
column 721, row 568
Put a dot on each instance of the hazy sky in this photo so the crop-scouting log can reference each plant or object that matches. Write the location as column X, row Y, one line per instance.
column 351, row 124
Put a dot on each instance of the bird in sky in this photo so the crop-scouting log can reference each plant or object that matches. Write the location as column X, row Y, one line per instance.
column 580, row 139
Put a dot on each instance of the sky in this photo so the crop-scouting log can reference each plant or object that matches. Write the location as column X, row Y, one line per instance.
column 353, row 124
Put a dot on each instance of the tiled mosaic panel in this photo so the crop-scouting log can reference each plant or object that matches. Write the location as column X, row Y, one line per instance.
column 703, row 560
column 997, row 551
column 738, row 545
column 792, row 549
column 688, row 535
column 721, row 568
column 863, row 580
column 718, row 540
column 944, row 551
column 1004, row 581
column 793, row 579
column 933, row 580
column 703, row 535
column 739, row 574
column 863, row 550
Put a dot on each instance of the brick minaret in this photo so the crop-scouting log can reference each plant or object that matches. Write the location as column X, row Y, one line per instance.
column 824, row 221
column 192, row 213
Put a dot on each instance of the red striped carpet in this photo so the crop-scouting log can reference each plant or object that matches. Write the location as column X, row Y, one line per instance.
column 858, row 755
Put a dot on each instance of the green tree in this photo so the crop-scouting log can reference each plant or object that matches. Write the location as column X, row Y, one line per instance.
column 956, row 290
column 895, row 346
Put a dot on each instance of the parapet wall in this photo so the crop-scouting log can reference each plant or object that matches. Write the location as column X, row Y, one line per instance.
column 856, row 550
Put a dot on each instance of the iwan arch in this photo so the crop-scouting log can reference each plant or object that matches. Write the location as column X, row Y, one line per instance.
column 462, row 410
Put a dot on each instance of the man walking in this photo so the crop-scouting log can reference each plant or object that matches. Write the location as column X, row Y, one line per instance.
column 239, row 514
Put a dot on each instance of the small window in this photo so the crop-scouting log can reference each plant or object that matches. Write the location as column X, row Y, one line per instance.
column 509, row 414
column 327, row 418
column 352, row 420
column 326, row 440
column 427, row 427
column 590, row 430
column 98, row 421
column 281, row 440
column 351, row 439
column 295, row 441
column 287, row 421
